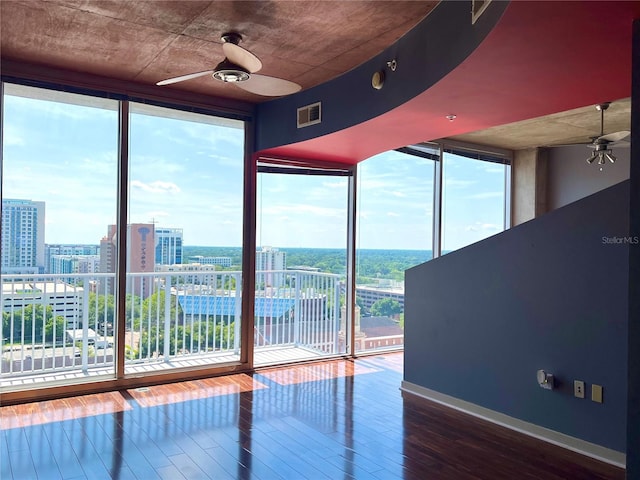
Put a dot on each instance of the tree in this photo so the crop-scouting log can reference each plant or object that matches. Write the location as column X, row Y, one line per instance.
column 32, row 324
column 386, row 307
column 154, row 305
column 207, row 335
column 101, row 309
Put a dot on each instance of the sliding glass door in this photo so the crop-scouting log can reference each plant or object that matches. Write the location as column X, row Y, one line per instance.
column 184, row 217
column 301, row 264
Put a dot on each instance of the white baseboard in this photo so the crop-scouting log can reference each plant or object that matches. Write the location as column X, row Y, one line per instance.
column 583, row 447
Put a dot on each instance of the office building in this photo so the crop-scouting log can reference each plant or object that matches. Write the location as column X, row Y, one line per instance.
column 22, row 236
column 74, row 264
column 193, row 273
column 68, row 249
column 66, row 300
column 202, row 260
column 368, row 295
column 168, row 246
column 140, row 257
column 270, row 262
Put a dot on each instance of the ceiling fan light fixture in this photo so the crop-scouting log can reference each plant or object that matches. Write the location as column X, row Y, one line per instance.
column 592, row 158
column 227, row 71
column 610, row 156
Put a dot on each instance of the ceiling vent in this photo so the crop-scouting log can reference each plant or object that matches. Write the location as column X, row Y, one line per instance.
column 309, row 115
column 477, row 8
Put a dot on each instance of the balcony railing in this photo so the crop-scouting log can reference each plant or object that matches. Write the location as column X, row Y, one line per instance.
column 60, row 326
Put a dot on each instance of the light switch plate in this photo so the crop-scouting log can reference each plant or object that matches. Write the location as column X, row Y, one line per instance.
column 596, row 393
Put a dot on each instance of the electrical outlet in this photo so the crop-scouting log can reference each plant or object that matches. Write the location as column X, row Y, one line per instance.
column 578, row 388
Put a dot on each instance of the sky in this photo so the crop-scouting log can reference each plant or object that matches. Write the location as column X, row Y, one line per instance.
column 186, row 172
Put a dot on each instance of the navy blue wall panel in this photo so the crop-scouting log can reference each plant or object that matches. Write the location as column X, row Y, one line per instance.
column 426, row 54
column 550, row 293
column 633, row 419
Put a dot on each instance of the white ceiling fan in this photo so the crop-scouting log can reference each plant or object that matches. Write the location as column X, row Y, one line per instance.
column 239, row 67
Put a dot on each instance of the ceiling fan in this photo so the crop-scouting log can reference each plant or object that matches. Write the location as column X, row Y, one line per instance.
column 239, row 67
column 602, row 144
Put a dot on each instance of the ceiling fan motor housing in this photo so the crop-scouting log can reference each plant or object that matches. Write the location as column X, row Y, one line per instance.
column 227, row 71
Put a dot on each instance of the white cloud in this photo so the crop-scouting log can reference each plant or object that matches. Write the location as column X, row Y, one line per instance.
column 144, row 163
column 392, row 214
column 156, row 187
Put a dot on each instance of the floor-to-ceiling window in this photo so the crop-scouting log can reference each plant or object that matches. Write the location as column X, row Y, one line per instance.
column 413, row 204
column 59, row 191
column 122, row 232
column 122, row 239
column 475, row 196
column 301, row 263
column 394, row 232
column 185, row 205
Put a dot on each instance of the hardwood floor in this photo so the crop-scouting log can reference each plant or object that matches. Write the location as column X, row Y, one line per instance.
column 332, row 420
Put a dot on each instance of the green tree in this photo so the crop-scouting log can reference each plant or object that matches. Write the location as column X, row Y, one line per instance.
column 386, row 307
column 154, row 305
column 35, row 323
column 205, row 335
column 102, row 308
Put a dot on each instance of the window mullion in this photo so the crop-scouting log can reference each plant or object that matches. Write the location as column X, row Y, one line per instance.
column 121, row 238
column 437, row 207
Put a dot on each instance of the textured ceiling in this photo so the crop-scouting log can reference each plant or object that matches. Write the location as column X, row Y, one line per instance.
column 147, row 41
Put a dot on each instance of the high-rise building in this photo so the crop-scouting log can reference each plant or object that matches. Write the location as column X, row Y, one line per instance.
column 22, row 236
column 67, row 249
column 268, row 260
column 140, row 258
column 168, row 246
column 75, row 264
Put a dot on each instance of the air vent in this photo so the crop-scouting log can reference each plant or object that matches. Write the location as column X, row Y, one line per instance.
column 309, row 115
column 477, row 8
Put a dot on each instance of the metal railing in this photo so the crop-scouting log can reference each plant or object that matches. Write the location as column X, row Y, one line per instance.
column 57, row 324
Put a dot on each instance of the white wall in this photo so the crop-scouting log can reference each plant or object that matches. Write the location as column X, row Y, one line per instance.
column 572, row 178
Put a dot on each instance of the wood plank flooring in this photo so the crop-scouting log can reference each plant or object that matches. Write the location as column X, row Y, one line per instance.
column 333, row 420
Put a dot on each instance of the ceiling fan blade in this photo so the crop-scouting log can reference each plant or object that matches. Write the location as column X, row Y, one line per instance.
column 269, row 86
column 182, row 78
column 615, row 136
column 241, row 56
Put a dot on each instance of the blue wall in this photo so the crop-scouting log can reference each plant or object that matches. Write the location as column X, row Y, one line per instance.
column 633, row 419
column 479, row 322
column 432, row 49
